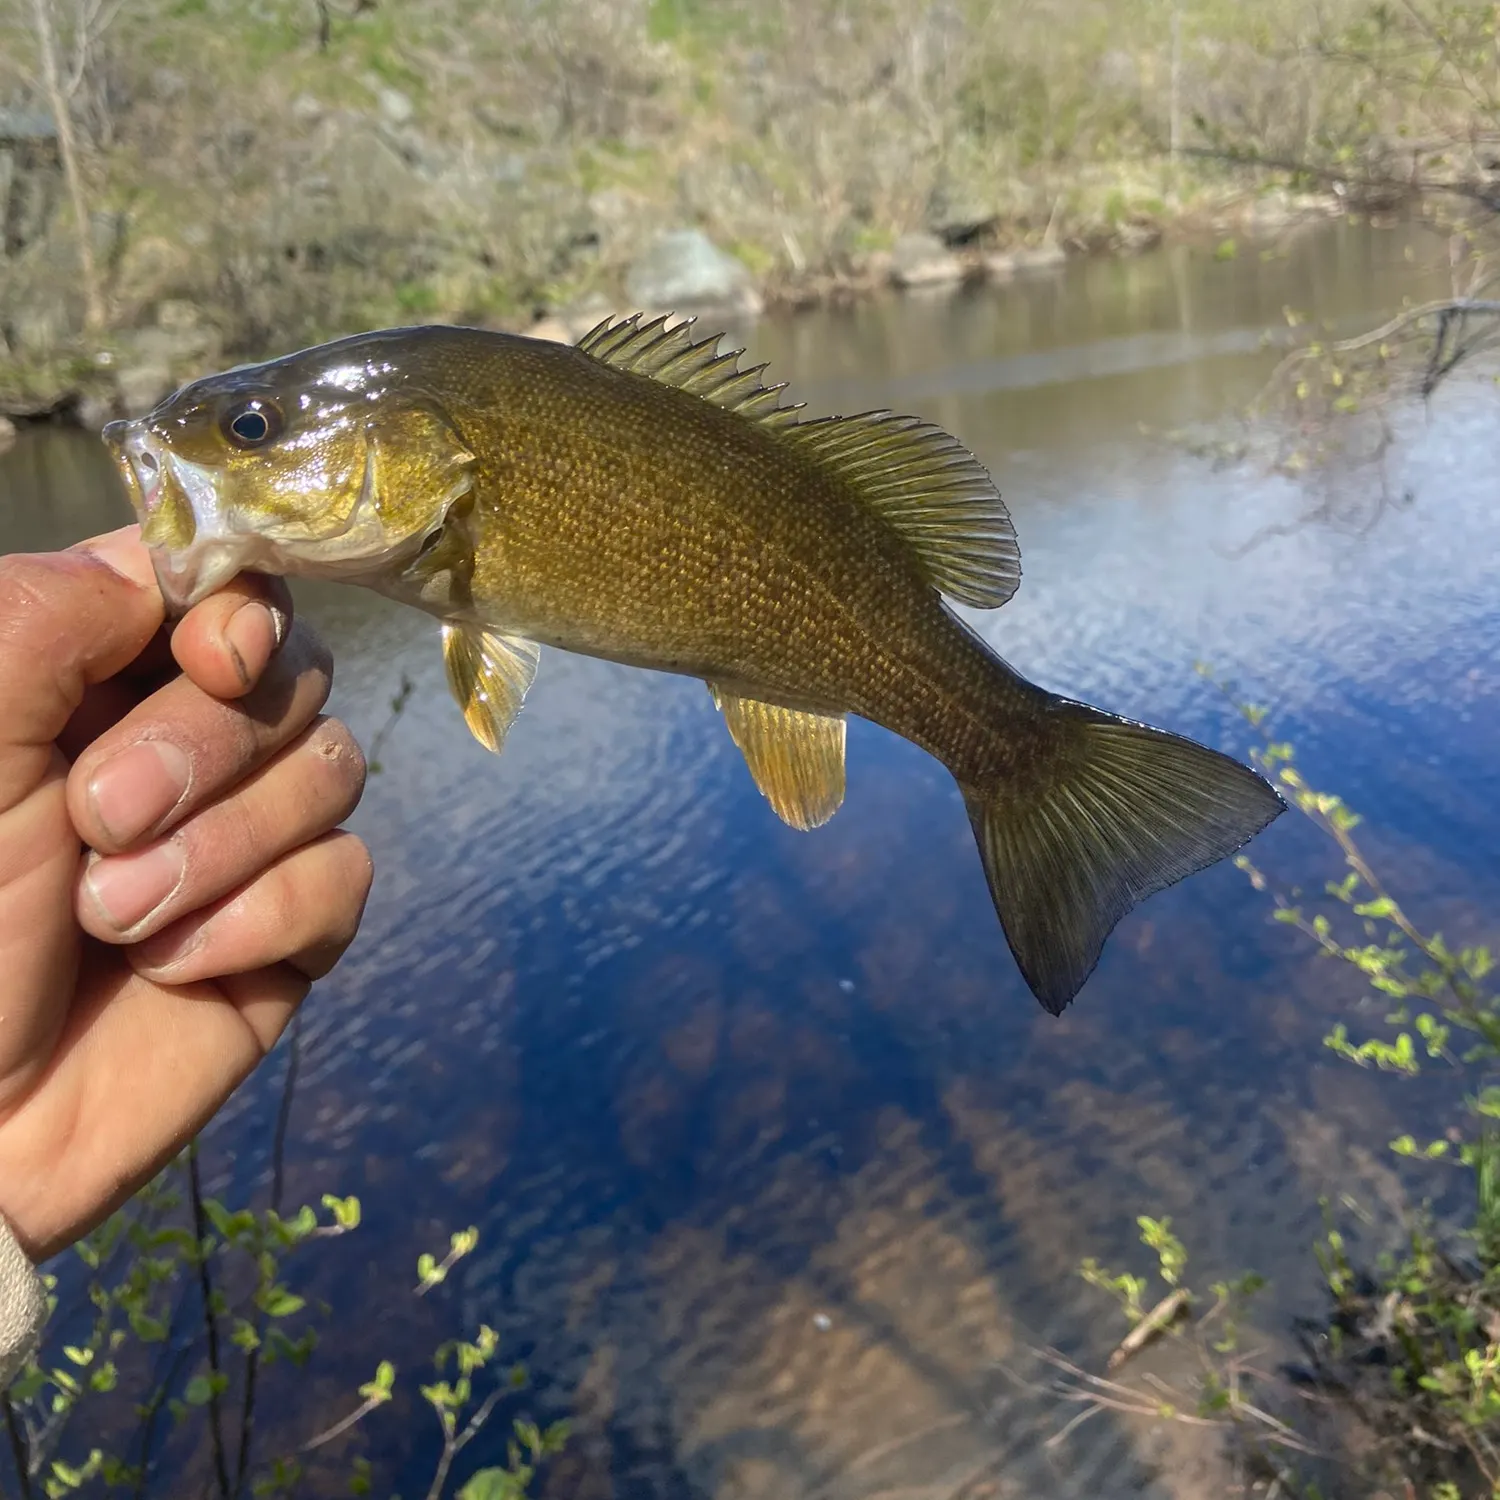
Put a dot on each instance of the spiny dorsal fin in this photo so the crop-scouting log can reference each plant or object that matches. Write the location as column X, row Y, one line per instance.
column 670, row 356
column 933, row 491
column 923, row 483
column 796, row 758
column 489, row 674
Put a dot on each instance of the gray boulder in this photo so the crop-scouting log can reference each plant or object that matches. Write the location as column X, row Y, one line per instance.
column 683, row 270
column 924, row 260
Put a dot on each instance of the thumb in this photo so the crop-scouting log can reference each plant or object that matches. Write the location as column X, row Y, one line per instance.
column 67, row 620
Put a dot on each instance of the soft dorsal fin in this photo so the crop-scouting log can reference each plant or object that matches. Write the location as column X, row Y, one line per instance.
column 671, row 356
column 923, row 483
column 796, row 757
column 928, row 487
column 489, row 674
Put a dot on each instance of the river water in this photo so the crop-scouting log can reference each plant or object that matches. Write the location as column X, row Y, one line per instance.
column 780, row 1173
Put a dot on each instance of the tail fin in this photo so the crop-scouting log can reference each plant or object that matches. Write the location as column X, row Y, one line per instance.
column 1109, row 813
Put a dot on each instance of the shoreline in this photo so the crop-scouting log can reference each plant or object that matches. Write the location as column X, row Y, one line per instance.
column 139, row 365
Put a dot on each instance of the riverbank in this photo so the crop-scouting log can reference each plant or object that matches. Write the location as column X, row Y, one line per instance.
column 128, row 369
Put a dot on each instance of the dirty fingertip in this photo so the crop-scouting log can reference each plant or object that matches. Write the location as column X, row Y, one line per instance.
column 252, row 634
column 225, row 643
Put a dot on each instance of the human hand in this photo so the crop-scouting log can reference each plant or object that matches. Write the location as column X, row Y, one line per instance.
column 171, row 877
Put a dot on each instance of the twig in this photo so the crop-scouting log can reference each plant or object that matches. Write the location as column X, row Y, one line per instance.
column 278, row 1175
column 1398, row 324
column 342, row 1426
column 210, row 1322
column 152, row 1410
column 1094, row 1392
column 398, row 707
column 17, row 1447
column 1157, row 1321
column 452, row 1446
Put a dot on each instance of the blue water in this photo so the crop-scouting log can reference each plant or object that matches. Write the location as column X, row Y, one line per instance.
column 779, row 1171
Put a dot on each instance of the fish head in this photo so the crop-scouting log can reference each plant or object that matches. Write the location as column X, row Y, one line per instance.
column 331, row 463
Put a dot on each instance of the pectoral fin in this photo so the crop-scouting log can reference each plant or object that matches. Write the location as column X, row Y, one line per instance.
column 796, row 758
column 489, row 674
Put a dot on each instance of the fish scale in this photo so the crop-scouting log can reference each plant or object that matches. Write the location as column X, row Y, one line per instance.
column 645, row 499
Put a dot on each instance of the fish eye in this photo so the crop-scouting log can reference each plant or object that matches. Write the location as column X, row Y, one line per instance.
column 248, row 424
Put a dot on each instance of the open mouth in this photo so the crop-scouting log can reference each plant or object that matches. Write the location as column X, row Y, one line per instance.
column 147, row 469
column 177, row 503
column 139, row 459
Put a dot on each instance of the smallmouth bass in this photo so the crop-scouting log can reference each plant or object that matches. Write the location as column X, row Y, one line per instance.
column 641, row 498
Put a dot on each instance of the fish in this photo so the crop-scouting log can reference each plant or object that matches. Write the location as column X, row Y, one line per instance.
column 642, row 497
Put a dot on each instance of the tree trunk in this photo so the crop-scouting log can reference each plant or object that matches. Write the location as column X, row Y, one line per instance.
column 57, row 100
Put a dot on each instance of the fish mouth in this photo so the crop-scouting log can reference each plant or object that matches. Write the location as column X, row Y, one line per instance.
column 179, row 507
column 137, row 455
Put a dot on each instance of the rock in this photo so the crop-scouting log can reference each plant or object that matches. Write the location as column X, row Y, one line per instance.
column 153, row 362
column 142, row 383
column 94, row 409
column 552, row 330
column 7, row 434
column 586, row 313
column 1039, row 257
column 957, row 217
column 924, row 260
column 175, row 315
column 684, row 269
column 38, row 329
column 395, row 106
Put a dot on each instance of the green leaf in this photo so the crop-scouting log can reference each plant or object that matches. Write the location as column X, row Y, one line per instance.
column 278, row 1302
column 244, row 1335
column 491, row 1484
column 1382, row 906
column 345, row 1211
column 147, row 1329
column 380, row 1388
column 199, row 1391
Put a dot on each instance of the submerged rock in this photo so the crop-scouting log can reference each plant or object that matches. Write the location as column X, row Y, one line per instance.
column 1001, row 265
column 924, row 260
column 684, row 269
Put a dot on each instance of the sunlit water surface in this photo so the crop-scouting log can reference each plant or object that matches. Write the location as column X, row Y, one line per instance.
column 780, row 1172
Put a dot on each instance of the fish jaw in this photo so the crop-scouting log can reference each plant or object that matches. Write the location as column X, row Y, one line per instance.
column 185, row 525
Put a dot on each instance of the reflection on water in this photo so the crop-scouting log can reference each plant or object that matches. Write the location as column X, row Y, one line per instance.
column 779, row 1169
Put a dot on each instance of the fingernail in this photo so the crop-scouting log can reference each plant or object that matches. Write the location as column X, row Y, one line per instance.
column 255, row 631
column 137, row 788
column 128, row 887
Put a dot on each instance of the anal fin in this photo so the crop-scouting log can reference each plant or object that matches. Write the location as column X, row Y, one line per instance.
column 796, row 757
column 489, row 674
